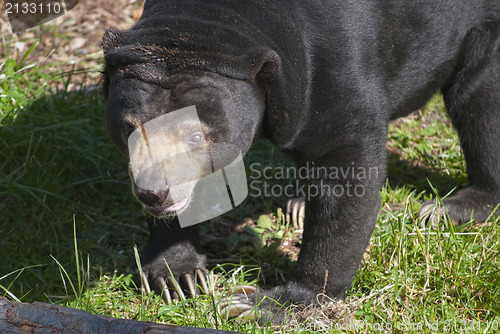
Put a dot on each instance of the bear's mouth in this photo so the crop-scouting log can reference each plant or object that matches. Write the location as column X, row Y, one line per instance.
column 169, row 210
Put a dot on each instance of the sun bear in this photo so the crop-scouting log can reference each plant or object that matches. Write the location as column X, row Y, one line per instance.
column 321, row 80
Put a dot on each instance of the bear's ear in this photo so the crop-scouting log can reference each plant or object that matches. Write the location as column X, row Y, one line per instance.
column 112, row 38
column 266, row 65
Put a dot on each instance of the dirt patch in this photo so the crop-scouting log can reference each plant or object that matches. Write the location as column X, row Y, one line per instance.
column 70, row 42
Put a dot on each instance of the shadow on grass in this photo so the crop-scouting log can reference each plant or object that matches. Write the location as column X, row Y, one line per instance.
column 402, row 173
column 57, row 165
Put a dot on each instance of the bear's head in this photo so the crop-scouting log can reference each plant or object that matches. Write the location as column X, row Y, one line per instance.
column 172, row 111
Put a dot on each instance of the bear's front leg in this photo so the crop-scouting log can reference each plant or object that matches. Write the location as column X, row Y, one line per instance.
column 342, row 203
column 172, row 261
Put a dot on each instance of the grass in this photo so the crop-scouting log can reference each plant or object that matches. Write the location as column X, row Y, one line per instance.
column 68, row 225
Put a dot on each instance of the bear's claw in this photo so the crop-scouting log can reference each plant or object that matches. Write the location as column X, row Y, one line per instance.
column 240, row 307
column 295, row 212
column 171, row 289
column 144, row 283
column 432, row 214
column 236, row 301
column 243, row 289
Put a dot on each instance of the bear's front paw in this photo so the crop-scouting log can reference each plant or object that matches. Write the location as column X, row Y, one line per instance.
column 266, row 306
column 173, row 272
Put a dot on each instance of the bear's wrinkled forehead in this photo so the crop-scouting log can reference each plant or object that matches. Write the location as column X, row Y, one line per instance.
column 158, row 62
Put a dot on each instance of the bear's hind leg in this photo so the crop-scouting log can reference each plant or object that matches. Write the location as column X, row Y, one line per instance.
column 473, row 103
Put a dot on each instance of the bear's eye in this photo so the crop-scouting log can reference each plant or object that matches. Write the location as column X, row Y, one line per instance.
column 196, row 138
column 126, row 131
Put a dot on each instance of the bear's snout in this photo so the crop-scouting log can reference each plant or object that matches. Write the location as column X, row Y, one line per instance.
column 151, row 198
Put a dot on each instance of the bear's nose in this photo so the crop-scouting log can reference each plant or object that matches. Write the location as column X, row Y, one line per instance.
column 151, row 198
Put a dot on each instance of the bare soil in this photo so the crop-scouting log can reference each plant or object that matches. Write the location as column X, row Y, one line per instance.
column 72, row 41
